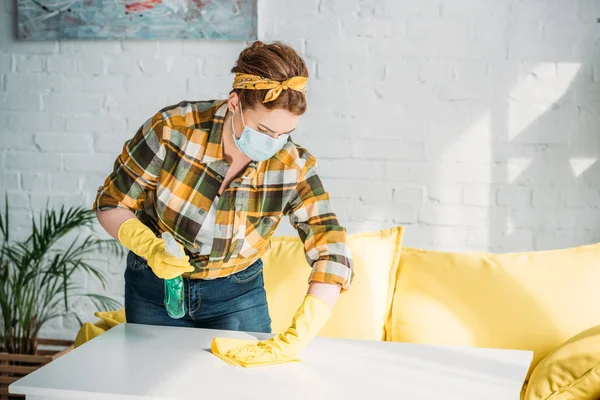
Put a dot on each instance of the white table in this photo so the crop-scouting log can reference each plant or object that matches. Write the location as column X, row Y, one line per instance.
column 148, row 362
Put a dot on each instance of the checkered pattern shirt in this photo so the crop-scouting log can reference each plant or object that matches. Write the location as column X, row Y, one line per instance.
column 169, row 174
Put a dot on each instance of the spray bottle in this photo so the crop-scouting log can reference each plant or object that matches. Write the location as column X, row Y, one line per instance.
column 174, row 291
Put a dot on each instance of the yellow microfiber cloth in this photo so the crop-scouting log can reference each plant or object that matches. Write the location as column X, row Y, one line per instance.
column 239, row 352
column 108, row 319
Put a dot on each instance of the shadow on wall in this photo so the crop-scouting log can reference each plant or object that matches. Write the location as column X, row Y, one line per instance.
column 481, row 130
column 517, row 139
column 549, row 141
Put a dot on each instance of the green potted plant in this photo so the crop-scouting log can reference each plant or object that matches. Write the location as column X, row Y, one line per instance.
column 39, row 275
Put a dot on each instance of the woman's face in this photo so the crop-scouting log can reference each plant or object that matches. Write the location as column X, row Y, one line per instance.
column 269, row 122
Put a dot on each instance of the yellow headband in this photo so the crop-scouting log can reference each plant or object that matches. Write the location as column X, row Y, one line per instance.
column 254, row 82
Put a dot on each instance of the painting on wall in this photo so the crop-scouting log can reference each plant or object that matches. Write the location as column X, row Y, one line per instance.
column 137, row 19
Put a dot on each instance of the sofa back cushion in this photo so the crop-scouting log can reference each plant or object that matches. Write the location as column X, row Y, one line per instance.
column 362, row 310
column 531, row 301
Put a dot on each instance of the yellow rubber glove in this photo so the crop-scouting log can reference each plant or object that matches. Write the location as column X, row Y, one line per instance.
column 140, row 239
column 310, row 318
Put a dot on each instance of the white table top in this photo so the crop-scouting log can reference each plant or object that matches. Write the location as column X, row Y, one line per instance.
column 150, row 362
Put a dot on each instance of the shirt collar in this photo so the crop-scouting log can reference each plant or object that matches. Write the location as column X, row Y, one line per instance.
column 214, row 144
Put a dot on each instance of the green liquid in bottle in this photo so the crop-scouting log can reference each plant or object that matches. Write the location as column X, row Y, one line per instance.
column 174, row 299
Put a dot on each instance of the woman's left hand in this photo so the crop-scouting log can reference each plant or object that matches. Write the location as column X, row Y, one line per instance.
column 310, row 318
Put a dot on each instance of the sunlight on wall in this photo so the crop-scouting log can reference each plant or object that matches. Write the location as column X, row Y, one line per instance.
column 581, row 164
column 515, row 167
column 521, row 115
column 479, row 132
column 535, row 92
column 474, row 147
column 510, row 226
column 539, row 87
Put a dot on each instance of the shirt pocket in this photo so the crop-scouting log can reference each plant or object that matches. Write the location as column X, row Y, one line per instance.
column 258, row 231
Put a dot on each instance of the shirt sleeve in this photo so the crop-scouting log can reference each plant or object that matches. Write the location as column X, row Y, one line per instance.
column 311, row 213
column 136, row 169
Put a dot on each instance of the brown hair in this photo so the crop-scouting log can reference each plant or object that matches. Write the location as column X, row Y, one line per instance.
column 275, row 61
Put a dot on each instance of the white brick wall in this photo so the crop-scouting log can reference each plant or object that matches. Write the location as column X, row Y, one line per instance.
column 474, row 123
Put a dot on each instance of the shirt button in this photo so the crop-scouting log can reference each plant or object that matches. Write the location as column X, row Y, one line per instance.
column 202, row 211
column 219, row 178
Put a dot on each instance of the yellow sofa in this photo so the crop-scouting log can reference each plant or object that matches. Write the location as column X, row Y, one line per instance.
column 531, row 301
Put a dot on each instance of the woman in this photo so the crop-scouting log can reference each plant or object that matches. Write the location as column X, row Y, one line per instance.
column 219, row 176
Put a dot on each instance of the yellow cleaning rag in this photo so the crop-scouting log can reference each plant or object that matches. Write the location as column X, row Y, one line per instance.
column 108, row 319
column 246, row 353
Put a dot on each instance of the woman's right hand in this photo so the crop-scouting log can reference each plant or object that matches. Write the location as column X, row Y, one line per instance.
column 140, row 239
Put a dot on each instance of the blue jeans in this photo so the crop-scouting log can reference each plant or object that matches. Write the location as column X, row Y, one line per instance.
column 237, row 302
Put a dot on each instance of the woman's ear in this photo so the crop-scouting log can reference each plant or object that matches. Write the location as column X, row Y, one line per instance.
column 233, row 102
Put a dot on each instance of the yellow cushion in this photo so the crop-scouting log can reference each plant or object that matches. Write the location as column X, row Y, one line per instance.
column 531, row 301
column 362, row 310
column 572, row 372
column 108, row 319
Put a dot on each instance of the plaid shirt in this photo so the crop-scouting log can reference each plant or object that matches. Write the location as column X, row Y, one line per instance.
column 169, row 173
